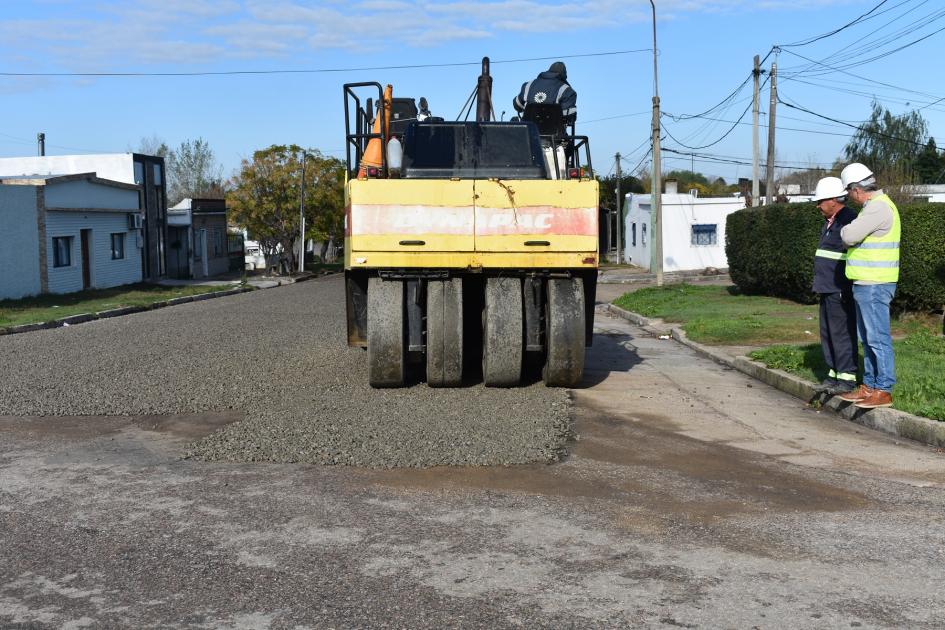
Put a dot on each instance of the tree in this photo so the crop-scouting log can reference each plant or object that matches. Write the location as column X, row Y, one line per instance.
column 325, row 199
column 888, row 144
column 192, row 171
column 608, row 188
column 930, row 164
column 265, row 198
column 151, row 146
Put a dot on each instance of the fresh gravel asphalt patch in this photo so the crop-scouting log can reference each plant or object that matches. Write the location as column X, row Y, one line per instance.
column 279, row 358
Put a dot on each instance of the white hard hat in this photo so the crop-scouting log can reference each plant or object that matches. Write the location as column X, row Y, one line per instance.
column 854, row 174
column 829, row 188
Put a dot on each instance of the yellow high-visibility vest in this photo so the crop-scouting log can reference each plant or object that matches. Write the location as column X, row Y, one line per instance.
column 876, row 259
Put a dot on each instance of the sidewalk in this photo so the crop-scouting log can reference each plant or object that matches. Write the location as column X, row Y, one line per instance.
column 892, row 421
column 235, row 278
column 628, row 274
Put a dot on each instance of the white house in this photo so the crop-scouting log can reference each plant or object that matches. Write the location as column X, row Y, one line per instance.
column 66, row 233
column 693, row 229
column 144, row 171
column 934, row 193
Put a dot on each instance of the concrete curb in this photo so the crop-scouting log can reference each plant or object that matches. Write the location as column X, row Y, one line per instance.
column 656, row 327
column 117, row 312
column 888, row 420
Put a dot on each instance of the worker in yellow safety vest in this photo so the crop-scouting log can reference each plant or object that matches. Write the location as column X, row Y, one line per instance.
column 873, row 265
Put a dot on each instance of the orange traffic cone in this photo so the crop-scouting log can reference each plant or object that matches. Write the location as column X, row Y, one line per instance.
column 372, row 155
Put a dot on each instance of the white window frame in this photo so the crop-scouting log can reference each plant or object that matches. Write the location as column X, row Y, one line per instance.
column 121, row 240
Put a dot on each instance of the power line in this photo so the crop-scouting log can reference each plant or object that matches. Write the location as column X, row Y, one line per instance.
column 873, row 97
column 312, row 70
column 805, row 164
column 852, row 60
column 855, row 55
column 626, row 154
column 705, row 146
column 696, row 157
column 780, row 128
column 872, row 81
column 836, row 30
column 857, row 127
column 636, row 169
column 594, row 120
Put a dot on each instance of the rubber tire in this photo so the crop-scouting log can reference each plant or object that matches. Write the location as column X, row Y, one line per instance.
column 503, row 345
column 445, row 333
column 564, row 365
column 385, row 333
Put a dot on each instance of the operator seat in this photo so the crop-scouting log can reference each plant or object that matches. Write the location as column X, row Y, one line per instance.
column 556, row 141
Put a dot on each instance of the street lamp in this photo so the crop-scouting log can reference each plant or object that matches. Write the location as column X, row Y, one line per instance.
column 656, row 204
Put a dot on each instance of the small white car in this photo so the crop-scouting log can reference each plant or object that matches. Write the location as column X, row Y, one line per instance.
column 254, row 258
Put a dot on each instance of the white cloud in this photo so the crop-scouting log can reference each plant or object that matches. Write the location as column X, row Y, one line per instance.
column 118, row 35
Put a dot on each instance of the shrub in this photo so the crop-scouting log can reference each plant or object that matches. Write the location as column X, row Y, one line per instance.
column 770, row 251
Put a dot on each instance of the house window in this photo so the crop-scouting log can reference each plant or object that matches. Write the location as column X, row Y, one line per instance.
column 643, row 235
column 633, row 234
column 62, row 251
column 118, row 246
column 705, row 234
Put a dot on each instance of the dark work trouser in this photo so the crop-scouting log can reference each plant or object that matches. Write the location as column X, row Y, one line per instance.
column 838, row 335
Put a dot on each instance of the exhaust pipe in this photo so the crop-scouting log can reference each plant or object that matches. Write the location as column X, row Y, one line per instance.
column 484, row 94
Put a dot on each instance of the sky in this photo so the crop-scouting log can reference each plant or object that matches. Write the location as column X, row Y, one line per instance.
column 705, row 51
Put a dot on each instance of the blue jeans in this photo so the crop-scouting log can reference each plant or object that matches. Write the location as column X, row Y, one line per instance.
column 872, row 324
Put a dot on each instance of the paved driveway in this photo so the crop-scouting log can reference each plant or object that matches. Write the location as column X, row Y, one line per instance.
column 691, row 496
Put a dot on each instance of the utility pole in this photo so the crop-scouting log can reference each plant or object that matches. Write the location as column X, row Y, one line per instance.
column 41, row 143
column 656, row 206
column 619, row 214
column 302, row 217
column 755, row 143
column 772, row 104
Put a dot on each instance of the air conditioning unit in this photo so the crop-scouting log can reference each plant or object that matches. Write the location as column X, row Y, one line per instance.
column 135, row 221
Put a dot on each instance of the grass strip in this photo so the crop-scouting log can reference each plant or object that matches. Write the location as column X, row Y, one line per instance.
column 47, row 307
column 717, row 315
column 722, row 316
column 920, row 356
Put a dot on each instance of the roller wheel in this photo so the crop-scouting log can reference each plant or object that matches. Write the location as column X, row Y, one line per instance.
column 502, row 333
column 564, row 365
column 385, row 332
column 445, row 333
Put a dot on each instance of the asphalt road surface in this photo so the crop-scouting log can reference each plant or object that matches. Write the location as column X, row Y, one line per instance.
column 690, row 496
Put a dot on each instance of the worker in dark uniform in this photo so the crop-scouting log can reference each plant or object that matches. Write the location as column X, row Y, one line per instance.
column 550, row 86
column 837, row 308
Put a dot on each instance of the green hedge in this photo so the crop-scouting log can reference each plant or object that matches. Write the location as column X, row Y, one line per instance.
column 771, row 252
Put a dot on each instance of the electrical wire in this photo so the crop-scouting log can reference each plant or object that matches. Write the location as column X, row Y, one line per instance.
column 780, row 128
column 873, row 97
column 314, row 70
column 705, row 146
column 699, row 158
column 636, row 169
column 857, row 127
column 837, row 30
column 853, row 56
column 898, row 88
column 594, row 120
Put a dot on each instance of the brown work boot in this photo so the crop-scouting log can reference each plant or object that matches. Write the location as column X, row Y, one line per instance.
column 877, row 398
column 860, row 393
